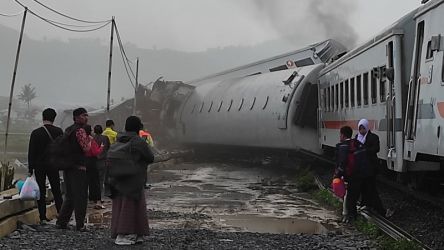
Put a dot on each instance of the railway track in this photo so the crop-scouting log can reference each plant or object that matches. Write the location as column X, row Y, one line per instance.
column 383, row 224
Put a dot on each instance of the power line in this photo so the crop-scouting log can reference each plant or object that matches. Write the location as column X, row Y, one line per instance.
column 123, row 50
column 68, row 29
column 124, row 57
column 59, row 24
column 72, row 18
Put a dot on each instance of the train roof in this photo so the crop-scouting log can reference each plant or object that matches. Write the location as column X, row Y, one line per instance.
column 325, row 51
column 430, row 5
column 396, row 28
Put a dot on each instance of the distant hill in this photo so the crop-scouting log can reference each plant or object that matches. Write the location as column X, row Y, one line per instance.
column 75, row 73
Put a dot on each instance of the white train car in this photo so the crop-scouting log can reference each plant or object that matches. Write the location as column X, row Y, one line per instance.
column 275, row 110
column 321, row 52
column 395, row 81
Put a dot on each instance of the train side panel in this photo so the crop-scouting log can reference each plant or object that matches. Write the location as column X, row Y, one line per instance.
column 255, row 111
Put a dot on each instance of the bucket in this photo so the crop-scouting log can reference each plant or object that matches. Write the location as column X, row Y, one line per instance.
column 338, row 187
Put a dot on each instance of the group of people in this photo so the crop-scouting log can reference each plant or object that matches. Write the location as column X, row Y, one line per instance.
column 87, row 178
column 357, row 164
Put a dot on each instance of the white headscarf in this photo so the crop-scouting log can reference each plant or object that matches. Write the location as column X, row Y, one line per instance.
column 364, row 123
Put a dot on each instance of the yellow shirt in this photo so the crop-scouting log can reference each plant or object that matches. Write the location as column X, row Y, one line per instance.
column 112, row 135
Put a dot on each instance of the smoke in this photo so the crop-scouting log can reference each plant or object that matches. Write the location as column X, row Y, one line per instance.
column 333, row 18
column 302, row 22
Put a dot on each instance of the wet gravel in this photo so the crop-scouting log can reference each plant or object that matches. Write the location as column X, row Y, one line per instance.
column 44, row 238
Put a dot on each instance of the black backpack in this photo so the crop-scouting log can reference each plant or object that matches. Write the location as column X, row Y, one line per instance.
column 57, row 153
column 120, row 160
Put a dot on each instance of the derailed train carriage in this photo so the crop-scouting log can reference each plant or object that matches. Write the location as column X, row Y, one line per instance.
column 395, row 80
column 260, row 105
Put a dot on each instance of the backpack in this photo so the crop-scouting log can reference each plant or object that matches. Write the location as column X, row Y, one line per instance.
column 57, row 153
column 356, row 159
column 120, row 160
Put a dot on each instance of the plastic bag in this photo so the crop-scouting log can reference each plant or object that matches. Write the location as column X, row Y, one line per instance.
column 30, row 190
column 338, row 187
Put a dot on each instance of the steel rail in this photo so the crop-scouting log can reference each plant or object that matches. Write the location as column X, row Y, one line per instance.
column 383, row 224
column 391, row 229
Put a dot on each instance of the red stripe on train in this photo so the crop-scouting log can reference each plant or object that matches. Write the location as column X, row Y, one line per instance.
column 351, row 123
column 441, row 109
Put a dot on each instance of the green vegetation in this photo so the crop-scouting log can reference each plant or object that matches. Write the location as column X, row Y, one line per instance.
column 305, row 181
column 326, row 198
column 387, row 243
column 384, row 241
column 367, row 228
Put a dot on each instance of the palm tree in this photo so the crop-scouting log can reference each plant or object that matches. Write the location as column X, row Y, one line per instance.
column 27, row 94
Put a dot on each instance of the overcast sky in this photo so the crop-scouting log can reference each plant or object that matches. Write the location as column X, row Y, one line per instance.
column 196, row 25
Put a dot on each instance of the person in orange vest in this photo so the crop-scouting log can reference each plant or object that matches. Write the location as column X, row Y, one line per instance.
column 147, row 137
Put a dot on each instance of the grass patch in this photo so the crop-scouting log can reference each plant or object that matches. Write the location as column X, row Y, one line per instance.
column 305, row 181
column 326, row 198
column 386, row 243
column 367, row 228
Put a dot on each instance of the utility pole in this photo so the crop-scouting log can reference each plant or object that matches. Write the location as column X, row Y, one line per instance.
column 14, row 74
column 108, row 97
column 11, row 94
column 136, row 87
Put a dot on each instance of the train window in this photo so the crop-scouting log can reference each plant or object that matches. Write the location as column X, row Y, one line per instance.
column 211, row 105
column 252, row 105
column 341, row 92
column 229, row 106
column 365, row 88
column 382, row 88
column 332, row 98
column 429, row 50
column 278, row 68
column 337, row 96
column 266, row 102
column 240, row 105
column 352, row 91
column 194, row 107
column 220, row 106
column 346, row 93
column 358, row 91
column 327, row 104
column 324, row 99
column 442, row 71
column 304, row 62
column 201, row 107
column 373, row 87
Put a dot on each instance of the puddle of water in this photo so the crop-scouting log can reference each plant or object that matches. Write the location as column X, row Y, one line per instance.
column 258, row 224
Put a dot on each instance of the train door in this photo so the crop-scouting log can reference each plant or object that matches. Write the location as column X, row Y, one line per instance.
column 411, row 116
column 390, row 109
column 393, row 102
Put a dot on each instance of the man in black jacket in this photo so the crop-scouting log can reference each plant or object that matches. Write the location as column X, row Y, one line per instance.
column 75, row 178
column 369, row 193
column 38, row 161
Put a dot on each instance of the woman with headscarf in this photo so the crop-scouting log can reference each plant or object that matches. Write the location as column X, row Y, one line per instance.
column 369, row 193
column 129, row 221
